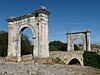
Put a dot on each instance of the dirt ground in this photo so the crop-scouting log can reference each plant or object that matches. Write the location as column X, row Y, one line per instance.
column 35, row 68
column 31, row 68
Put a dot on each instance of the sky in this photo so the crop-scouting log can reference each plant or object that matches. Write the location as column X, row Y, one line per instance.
column 66, row 16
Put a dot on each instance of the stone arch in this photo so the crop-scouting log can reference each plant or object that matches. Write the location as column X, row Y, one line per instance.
column 70, row 55
column 18, row 37
column 26, row 26
column 74, row 61
column 39, row 27
column 72, row 36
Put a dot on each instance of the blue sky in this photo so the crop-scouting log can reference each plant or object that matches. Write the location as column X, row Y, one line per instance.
column 66, row 15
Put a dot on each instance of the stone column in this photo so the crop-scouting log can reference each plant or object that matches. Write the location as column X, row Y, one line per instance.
column 18, row 48
column 84, row 43
column 11, row 43
column 40, row 48
column 72, row 44
column 68, row 42
column 88, row 41
column 35, row 49
column 43, row 36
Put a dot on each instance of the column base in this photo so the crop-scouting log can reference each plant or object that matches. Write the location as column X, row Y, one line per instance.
column 13, row 59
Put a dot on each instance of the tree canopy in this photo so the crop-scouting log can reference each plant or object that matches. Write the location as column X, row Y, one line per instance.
column 3, row 43
column 60, row 46
column 26, row 46
column 57, row 46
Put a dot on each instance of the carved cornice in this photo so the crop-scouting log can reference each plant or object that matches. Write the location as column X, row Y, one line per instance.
column 78, row 32
column 41, row 10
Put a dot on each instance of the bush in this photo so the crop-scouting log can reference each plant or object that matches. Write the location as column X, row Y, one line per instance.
column 91, row 59
column 3, row 43
column 58, row 61
column 57, row 46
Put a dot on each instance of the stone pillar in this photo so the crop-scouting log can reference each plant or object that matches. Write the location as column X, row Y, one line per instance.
column 43, row 39
column 42, row 17
column 40, row 40
column 43, row 36
column 72, row 44
column 46, row 44
column 11, row 42
column 88, row 41
column 35, row 49
column 84, row 43
column 11, row 55
column 18, row 48
column 68, row 42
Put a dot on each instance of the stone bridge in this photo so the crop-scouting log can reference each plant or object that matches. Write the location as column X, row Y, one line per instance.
column 69, row 57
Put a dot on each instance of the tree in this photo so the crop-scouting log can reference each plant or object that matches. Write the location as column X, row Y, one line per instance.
column 76, row 48
column 3, row 43
column 60, row 46
column 57, row 46
column 26, row 46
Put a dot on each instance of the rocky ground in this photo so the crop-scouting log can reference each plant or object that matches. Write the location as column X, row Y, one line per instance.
column 31, row 68
column 37, row 68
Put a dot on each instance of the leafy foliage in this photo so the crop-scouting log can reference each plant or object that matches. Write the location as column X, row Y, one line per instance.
column 91, row 59
column 57, row 46
column 3, row 43
column 76, row 48
column 58, row 61
column 26, row 44
column 60, row 46
column 26, row 47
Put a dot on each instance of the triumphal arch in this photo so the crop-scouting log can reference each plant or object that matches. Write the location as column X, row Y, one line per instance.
column 85, row 36
column 38, row 23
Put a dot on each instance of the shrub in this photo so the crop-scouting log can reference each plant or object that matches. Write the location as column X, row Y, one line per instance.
column 91, row 59
column 58, row 60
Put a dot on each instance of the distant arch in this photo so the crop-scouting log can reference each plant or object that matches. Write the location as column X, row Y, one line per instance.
column 83, row 35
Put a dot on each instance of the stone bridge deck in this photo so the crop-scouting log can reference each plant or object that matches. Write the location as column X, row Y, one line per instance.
column 67, row 57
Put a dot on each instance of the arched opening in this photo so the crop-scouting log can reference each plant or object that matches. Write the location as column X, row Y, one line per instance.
column 27, row 44
column 78, row 44
column 74, row 62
